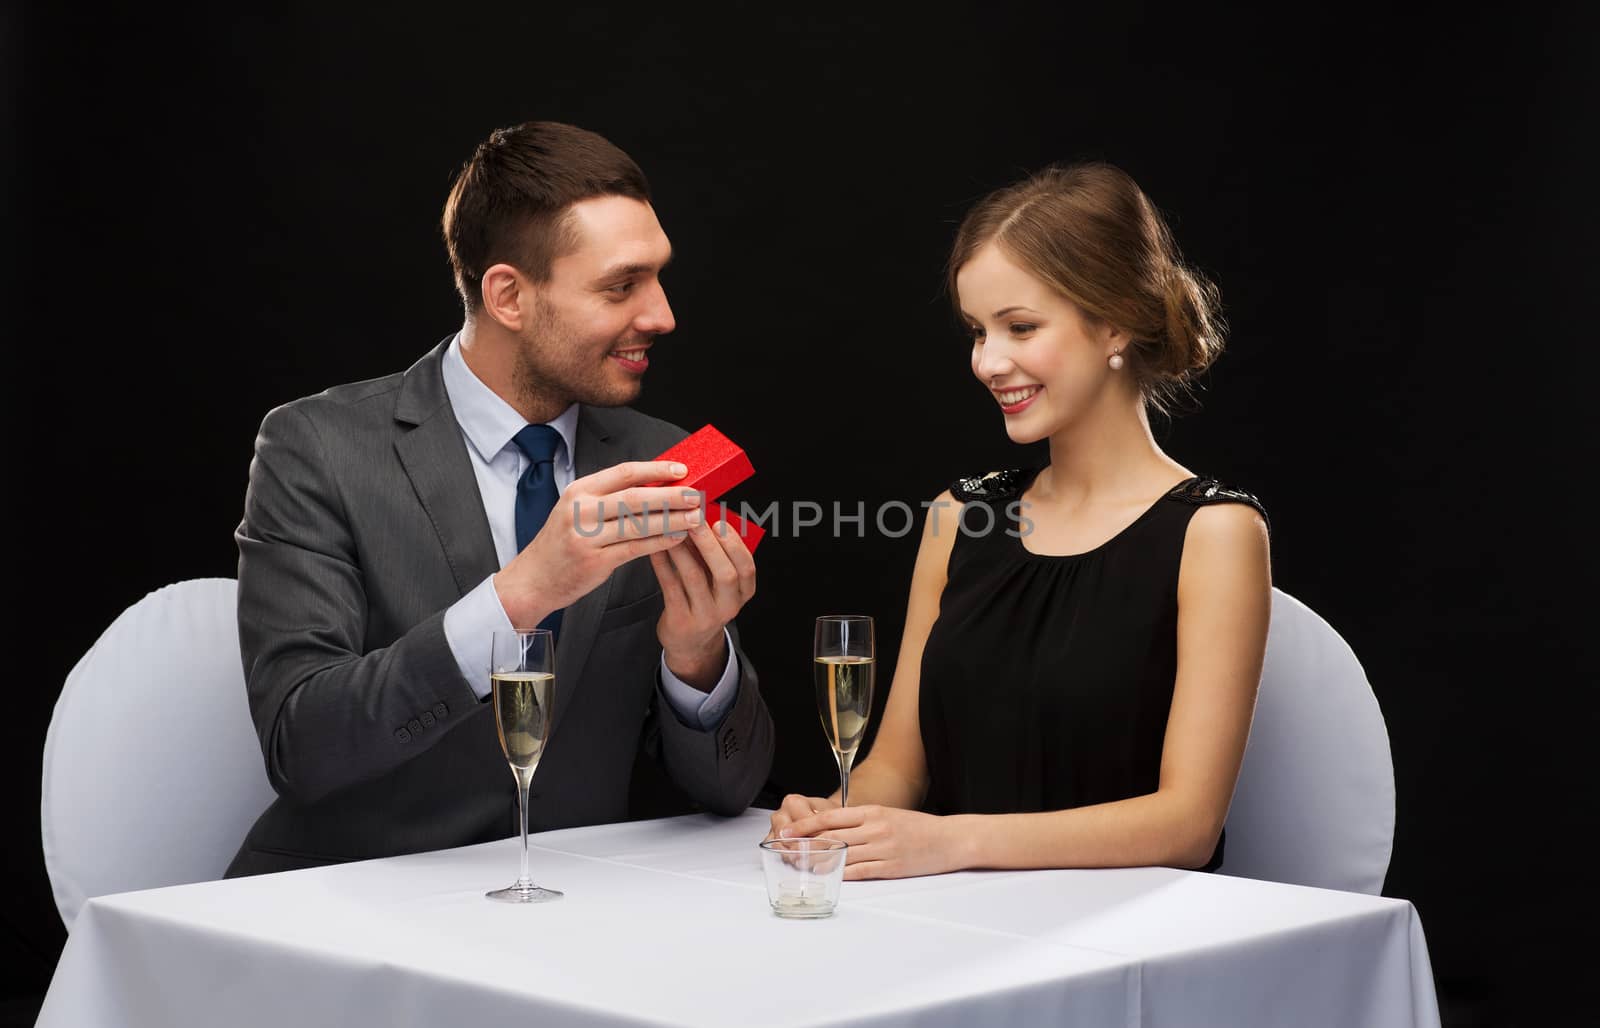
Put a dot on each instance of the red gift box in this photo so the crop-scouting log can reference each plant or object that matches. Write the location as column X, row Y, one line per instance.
column 750, row 532
column 716, row 464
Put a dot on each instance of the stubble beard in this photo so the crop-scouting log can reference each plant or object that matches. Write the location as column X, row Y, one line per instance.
column 556, row 367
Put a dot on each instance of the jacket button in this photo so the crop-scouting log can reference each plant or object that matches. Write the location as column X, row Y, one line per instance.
column 402, row 735
column 415, row 726
column 440, row 710
column 427, row 719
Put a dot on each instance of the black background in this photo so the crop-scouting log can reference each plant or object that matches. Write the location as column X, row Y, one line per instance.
column 215, row 214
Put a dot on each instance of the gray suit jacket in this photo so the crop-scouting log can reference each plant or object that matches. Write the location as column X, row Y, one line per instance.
column 362, row 524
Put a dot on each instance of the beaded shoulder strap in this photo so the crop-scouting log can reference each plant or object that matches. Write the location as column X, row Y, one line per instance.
column 994, row 485
column 1202, row 491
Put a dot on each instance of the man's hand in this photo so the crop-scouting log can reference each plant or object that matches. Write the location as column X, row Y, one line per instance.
column 586, row 538
column 703, row 586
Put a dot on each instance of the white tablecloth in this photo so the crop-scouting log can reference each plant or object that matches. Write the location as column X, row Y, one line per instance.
column 666, row 923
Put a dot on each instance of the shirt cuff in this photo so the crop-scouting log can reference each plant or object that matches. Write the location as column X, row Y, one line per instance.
column 695, row 707
column 469, row 627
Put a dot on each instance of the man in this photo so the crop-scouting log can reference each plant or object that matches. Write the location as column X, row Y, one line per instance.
column 391, row 526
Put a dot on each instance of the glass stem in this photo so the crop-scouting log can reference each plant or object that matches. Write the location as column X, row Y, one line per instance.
column 844, row 780
column 523, row 783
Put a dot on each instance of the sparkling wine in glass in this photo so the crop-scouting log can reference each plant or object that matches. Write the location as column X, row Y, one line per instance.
column 522, row 668
column 843, row 660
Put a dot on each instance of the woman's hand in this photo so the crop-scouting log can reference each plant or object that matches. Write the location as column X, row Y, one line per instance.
column 885, row 842
column 794, row 808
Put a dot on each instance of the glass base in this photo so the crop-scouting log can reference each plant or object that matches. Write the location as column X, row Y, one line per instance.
column 516, row 893
column 802, row 909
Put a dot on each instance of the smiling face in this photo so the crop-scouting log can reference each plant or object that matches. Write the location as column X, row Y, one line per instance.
column 1042, row 359
column 599, row 311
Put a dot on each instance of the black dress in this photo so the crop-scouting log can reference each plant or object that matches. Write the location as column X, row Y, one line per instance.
column 1046, row 680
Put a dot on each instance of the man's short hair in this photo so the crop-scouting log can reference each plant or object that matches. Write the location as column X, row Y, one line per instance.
column 511, row 203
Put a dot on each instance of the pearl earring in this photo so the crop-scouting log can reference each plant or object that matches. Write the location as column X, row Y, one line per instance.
column 1115, row 360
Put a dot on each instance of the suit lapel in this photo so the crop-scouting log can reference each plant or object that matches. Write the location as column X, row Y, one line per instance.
column 434, row 456
column 597, row 447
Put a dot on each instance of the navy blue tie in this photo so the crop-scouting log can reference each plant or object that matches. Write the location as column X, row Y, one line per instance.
column 536, row 491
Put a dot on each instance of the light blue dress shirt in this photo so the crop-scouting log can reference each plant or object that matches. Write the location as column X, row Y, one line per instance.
column 488, row 424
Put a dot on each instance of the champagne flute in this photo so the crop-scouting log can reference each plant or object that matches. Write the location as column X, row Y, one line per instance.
column 843, row 661
column 522, row 668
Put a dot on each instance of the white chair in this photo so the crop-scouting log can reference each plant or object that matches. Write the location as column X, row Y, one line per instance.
column 152, row 769
column 1315, row 800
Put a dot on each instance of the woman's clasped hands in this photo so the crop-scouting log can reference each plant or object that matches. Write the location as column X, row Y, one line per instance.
column 885, row 842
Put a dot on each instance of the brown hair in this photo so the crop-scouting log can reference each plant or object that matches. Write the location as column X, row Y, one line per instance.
column 1089, row 232
column 510, row 203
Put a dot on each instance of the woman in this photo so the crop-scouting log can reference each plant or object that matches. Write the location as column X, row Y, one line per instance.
column 1075, row 685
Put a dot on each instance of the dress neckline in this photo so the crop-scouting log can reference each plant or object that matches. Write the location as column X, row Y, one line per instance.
column 1021, row 541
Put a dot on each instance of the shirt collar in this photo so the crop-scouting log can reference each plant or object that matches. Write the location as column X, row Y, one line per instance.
column 489, row 421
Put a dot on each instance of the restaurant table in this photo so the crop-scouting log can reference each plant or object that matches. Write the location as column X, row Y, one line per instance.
column 666, row 923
